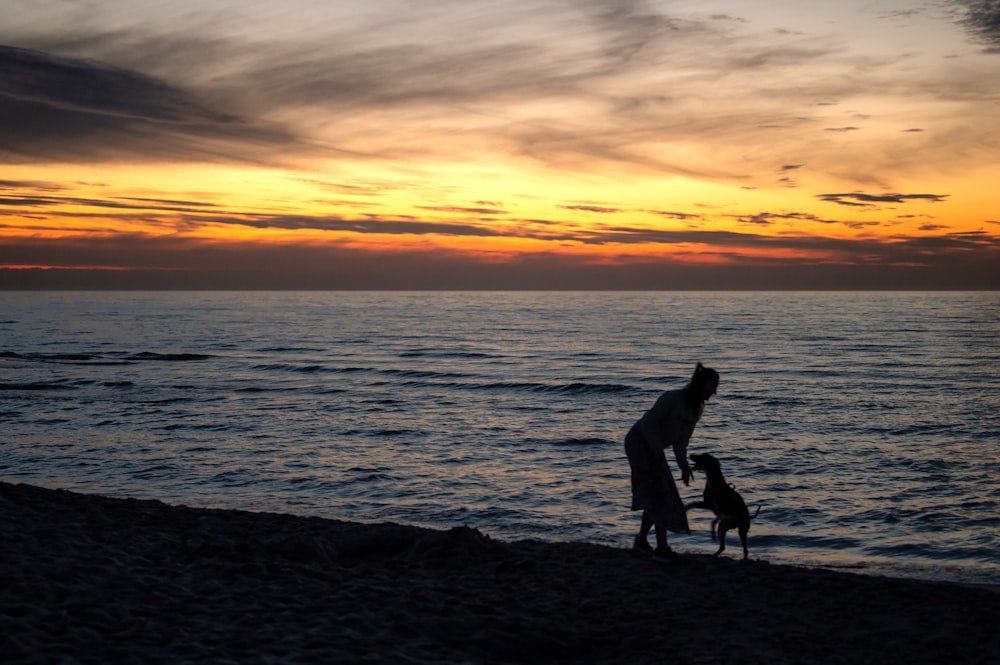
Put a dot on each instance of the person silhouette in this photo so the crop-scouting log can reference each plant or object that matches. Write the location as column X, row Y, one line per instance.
column 669, row 423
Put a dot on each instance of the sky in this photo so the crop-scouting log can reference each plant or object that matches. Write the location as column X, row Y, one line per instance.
column 500, row 144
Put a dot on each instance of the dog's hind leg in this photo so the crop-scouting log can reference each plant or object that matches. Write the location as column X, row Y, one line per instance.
column 744, row 530
column 715, row 523
column 723, row 528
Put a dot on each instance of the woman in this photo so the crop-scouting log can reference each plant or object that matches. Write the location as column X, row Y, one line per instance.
column 670, row 423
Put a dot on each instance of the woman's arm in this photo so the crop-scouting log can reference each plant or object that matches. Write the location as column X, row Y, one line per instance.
column 680, row 453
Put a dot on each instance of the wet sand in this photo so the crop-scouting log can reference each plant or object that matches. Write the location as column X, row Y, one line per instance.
column 88, row 579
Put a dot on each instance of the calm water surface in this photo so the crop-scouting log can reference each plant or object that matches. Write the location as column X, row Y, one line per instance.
column 867, row 425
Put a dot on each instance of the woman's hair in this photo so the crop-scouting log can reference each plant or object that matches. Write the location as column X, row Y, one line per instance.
column 695, row 388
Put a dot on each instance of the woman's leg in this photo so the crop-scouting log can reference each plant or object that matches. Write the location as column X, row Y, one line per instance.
column 641, row 540
column 661, row 538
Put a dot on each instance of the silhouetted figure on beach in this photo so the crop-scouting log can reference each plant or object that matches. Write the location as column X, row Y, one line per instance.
column 669, row 423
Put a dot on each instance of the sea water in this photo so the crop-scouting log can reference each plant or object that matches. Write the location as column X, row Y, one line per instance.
column 865, row 425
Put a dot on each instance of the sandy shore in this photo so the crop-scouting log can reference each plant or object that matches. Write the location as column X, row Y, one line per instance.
column 87, row 579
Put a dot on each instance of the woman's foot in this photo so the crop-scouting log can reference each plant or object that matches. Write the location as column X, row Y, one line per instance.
column 664, row 554
column 642, row 544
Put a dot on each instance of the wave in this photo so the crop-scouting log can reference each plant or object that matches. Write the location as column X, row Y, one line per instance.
column 234, row 478
column 425, row 374
column 454, row 380
column 102, row 359
column 43, row 356
column 167, row 400
column 156, row 472
column 322, row 369
column 574, row 441
column 170, row 357
column 209, row 427
column 63, row 358
column 921, row 550
column 375, row 433
column 38, row 385
column 309, row 369
column 575, row 388
column 531, row 387
column 435, row 353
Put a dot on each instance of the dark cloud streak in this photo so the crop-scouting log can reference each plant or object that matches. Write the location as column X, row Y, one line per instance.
column 125, row 203
column 861, row 200
column 63, row 109
column 602, row 210
column 961, row 261
column 982, row 19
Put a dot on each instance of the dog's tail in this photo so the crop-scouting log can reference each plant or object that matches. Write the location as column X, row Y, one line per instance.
column 758, row 511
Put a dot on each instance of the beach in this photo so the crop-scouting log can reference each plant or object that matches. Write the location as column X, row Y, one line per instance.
column 91, row 579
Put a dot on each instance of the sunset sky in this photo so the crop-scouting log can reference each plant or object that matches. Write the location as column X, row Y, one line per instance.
column 499, row 144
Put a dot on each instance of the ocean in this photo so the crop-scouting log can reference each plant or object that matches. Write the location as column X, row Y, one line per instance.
column 865, row 424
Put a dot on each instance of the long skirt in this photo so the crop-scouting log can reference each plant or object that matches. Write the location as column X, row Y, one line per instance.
column 653, row 486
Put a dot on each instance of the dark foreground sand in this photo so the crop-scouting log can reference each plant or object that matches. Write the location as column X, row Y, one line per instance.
column 86, row 579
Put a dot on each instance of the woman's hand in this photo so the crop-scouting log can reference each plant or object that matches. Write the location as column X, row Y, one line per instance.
column 686, row 475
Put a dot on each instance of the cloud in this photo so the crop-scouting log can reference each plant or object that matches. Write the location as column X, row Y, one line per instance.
column 76, row 85
column 462, row 210
column 673, row 214
column 363, row 226
column 194, row 215
column 190, row 216
column 621, row 87
column 945, row 261
column 123, row 203
column 36, row 185
column 569, row 86
column 982, row 19
column 65, row 109
column 768, row 218
column 861, row 200
column 602, row 210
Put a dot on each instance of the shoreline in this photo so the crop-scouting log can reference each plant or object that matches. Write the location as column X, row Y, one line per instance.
column 695, row 544
column 88, row 578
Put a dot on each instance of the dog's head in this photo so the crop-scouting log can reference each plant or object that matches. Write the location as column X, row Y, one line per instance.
column 705, row 462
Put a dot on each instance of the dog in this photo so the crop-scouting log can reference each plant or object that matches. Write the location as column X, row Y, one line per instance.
column 722, row 499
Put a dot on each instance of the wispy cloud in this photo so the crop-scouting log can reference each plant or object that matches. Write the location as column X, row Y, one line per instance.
column 601, row 210
column 674, row 214
column 465, row 211
column 982, row 19
column 124, row 203
column 62, row 109
column 862, row 200
column 564, row 85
